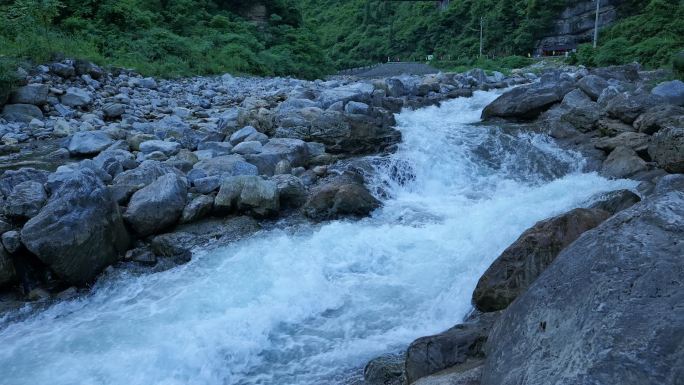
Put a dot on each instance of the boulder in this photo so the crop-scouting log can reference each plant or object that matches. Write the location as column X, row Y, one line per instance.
column 527, row 102
column 622, row 162
column 523, row 261
column 21, row 112
column 655, row 118
column 387, row 369
column 293, row 150
column 356, row 108
column 197, row 208
column 615, row 201
column 115, row 161
column 63, row 70
column 7, row 273
column 12, row 178
column 634, row 140
column 593, row 86
column 26, row 200
column 165, row 147
column 291, row 190
column 607, row 311
column 672, row 92
column 241, row 134
column 627, row 107
column 157, row 205
column 580, row 111
column 625, row 73
column 357, row 92
column 11, row 240
column 340, row 196
column 462, row 375
column 613, row 127
column 89, row 143
column 76, row 97
column 396, row 88
column 222, row 166
column 36, row 94
column 247, row 148
column 248, row 193
column 456, row 346
column 111, row 111
column 667, row 149
column 79, row 231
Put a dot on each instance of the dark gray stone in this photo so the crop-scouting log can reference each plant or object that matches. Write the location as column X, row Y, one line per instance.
column 79, row 231
column 672, row 92
column 340, row 196
column 7, row 273
column 246, row 193
column 622, row 162
column 36, row 94
column 89, row 143
column 21, row 112
column 615, row 201
column 667, row 149
column 26, row 200
column 198, row 208
column 607, row 311
column 593, row 86
column 11, row 240
column 527, row 102
column 158, row 205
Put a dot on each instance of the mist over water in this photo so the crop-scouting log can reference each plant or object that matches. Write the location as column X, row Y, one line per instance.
column 309, row 305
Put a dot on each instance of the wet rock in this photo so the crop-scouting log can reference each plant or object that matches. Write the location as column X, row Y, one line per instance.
column 21, row 112
column 340, row 196
column 199, row 207
column 79, row 231
column 527, row 102
column 178, row 244
column 291, row 190
column 36, row 94
column 456, row 346
column 655, row 118
column 251, row 194
column 76, row 97
column 593, row 86
column 627, row 107
column 158, row 205
column 667, row 149
column 672, row 92
column 11, row 240
column 7, row 273
column 523, row 261
column 88, row 143
column 462, row 375
column 622, row 162
column 387, row 369
column 26, row 200
column 613, row 127
column 606, row 311
column 634, row 140
column 615, row 201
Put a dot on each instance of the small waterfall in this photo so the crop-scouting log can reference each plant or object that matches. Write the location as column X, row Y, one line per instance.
column 313, row 305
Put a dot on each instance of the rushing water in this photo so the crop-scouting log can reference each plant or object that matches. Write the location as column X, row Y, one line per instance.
column 311, row 305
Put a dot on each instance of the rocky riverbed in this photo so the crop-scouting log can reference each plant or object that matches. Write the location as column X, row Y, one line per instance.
column 107, row 168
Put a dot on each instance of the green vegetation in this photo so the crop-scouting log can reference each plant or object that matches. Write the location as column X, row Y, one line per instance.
column 651, row 37
column 165, row 37
column 503, row 64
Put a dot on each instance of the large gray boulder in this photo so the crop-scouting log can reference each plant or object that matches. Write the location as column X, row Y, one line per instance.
column 624, row 73
column 294, row 151
column 527, row 102
column 580, row 111
column 358, row 92
column 655, row 118
column 593, row 86
column 340, row 196
column 36, row 94
column 166, row 147
column 523, row 261
column 158, row 205
column 26, row 200
column 88, row 143
column 76, row 97
column 672, row 92
column 79, row 231
column 387, row 369
column 667, row 149
column 607, row 311
column 634, row 140
column 21, row 112
column 456, row 346
column 627, row 107
column 623, row 162
column 11, row 178
column 250, row 194
column 223, row 166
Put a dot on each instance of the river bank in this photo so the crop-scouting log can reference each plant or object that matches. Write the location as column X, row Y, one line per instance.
column 146, row 174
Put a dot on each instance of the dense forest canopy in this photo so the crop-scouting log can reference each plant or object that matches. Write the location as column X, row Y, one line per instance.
column 310, row 38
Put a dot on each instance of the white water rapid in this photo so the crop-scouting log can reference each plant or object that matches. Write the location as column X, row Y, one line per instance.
column 312, row 305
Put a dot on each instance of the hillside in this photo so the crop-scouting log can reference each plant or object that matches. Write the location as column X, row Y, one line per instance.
column 359, row 32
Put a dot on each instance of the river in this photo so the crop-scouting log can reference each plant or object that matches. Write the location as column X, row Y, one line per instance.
column 311, row 304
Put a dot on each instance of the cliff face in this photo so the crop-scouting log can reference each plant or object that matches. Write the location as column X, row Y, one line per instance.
column 576, row 23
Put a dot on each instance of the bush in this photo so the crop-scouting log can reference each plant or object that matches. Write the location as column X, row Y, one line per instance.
column 8, row 78
column 678, row 64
